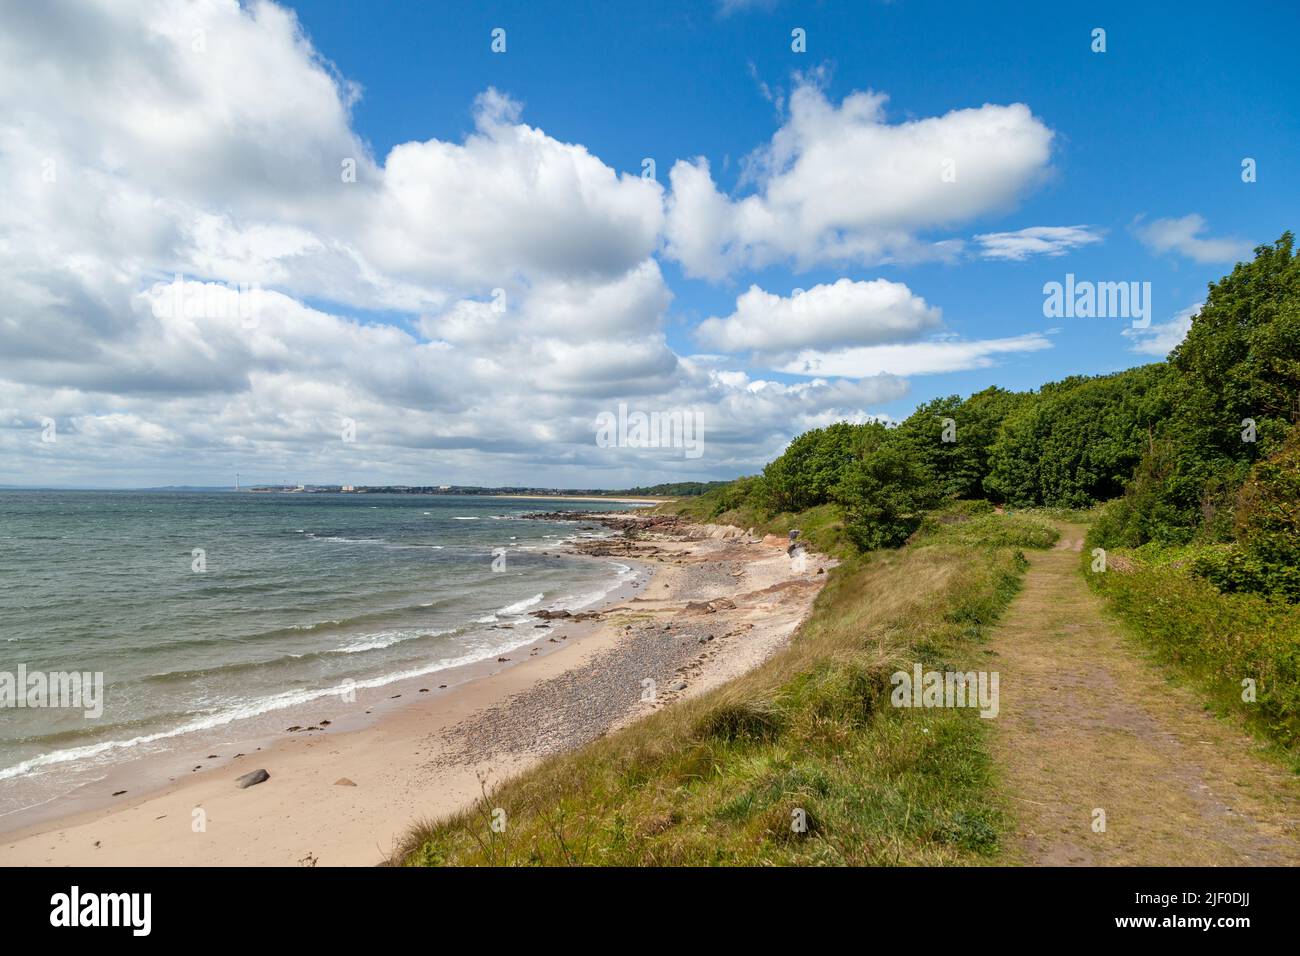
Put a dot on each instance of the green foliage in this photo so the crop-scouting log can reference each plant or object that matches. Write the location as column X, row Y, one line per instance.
column 1076, row 442
column 1146, row 512
column 1233, row 569
column 959, row 464
column 884, row 496
column 815, row 463
column 1240, row 360
column 735, row 495
column 1267, row 517
column 1218, row 639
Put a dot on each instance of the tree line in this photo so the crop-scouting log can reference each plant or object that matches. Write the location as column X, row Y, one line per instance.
column 1202, row 448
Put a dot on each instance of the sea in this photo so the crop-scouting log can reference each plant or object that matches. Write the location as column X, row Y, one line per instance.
column 209, row 614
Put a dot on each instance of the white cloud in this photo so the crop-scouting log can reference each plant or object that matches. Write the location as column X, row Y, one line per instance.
column 915, row 358
column 1161, row 338
column 840, row 183
column 510, row 201
column 1035, row 241
column 222, row 162
column 138, row 141
column 843, row 313
column 1181, row 236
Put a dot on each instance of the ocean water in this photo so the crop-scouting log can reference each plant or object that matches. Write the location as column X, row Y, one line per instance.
column 301, row 595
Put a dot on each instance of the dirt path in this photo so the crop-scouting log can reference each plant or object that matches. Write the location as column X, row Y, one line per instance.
column 1087, row 723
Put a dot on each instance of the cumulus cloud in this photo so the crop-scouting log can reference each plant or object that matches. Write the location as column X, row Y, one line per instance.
column 509, row 201
column 1183, row 237
column 515, row 274
column 842, row 184
column 843, row 313
column 1035, row 241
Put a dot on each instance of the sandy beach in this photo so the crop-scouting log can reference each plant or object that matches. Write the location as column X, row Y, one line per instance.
column 718, row 603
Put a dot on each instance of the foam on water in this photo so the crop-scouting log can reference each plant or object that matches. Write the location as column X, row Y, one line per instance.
column 296, row 603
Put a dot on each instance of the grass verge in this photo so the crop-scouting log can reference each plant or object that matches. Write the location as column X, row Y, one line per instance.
column 809, row 736
column 1217, row 641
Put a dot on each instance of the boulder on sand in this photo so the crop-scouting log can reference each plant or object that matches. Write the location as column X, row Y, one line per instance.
column 252, row 779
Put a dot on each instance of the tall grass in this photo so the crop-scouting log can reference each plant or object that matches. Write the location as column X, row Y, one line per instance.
column 1217, row 640
column 810, row 735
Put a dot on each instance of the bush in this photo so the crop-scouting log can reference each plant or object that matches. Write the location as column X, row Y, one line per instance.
column 1267, row 525
column 815, row 463
column 1231, row 570
column 741, row 492
column 1076, row 443
column 884, row 497
column 1219, row 639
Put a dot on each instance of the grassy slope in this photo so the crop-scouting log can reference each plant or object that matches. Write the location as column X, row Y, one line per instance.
column 821, row 527
column 716, row 779
column 1212, row 639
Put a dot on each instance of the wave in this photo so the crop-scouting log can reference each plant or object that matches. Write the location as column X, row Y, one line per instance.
column 249, row 709
column 366, row 642
column 519, row 607
column 394, row 614
column 312, row 627
column 387, row 639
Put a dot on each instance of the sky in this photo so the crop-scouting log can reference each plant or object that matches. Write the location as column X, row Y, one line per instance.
column 428, row 243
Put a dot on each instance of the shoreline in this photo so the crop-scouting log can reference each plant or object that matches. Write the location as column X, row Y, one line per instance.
column 716, row 604
column 139, row 775
column 619, row 501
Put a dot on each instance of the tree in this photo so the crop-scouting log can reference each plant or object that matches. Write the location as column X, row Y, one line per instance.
column 1076, row 442
column 805, row 475
column 884, row 496
column 953, row 438
column 1228, row 401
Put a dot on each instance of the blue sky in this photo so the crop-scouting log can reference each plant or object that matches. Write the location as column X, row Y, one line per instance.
column 1138, row 149
column 1157, row 126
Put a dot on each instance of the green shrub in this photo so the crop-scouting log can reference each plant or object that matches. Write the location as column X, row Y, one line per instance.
column 884, row 497
column 1219, row 639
